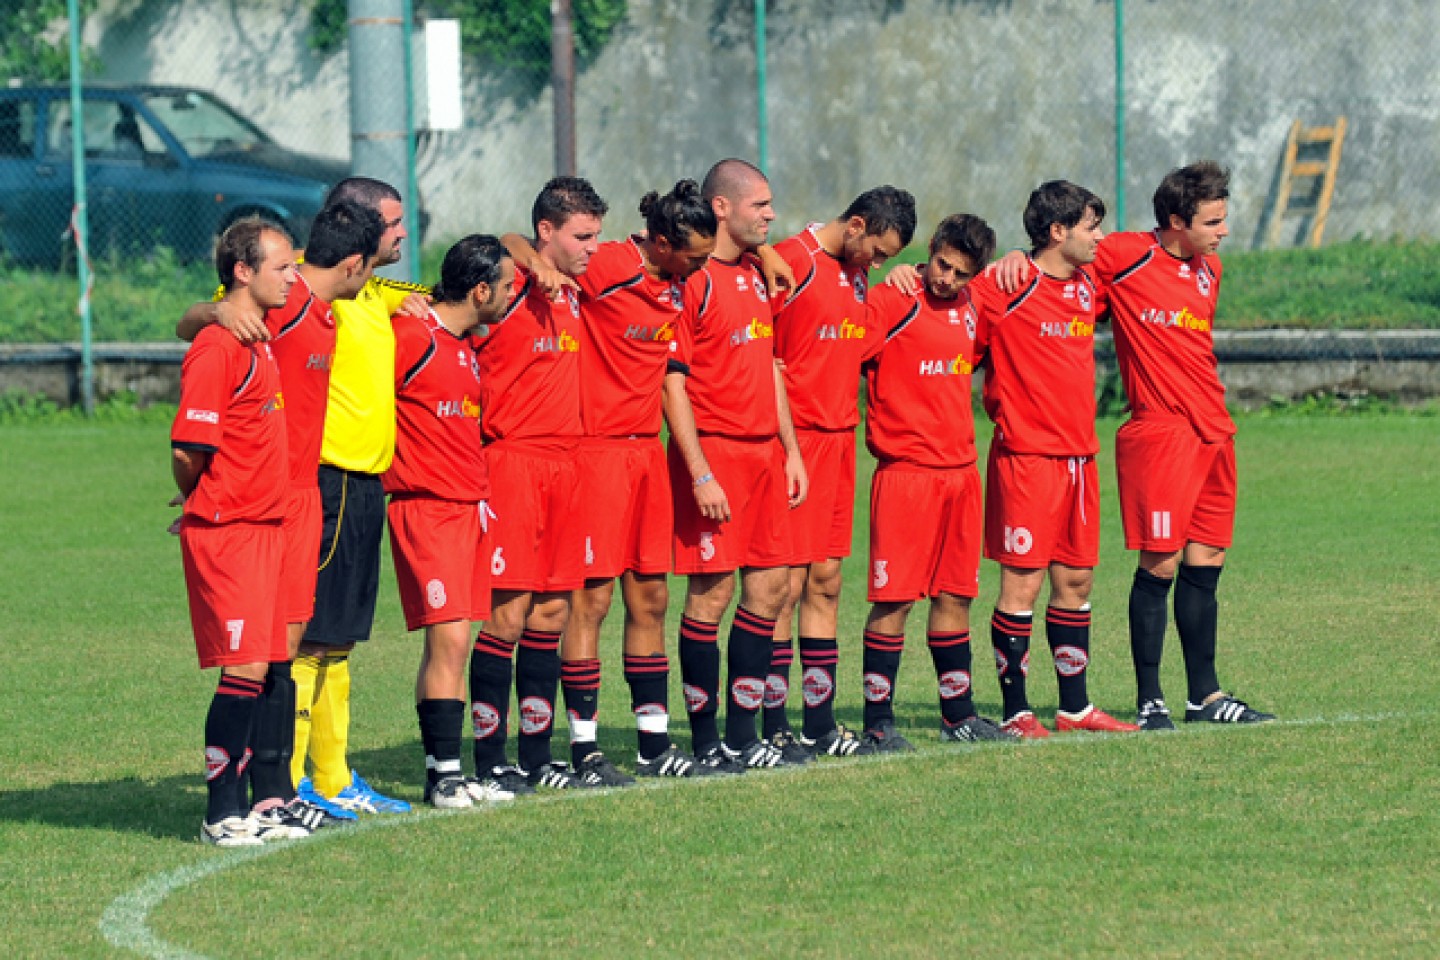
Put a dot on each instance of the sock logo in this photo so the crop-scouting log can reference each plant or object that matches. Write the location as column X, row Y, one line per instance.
column 435, row 594
column 650, row 710
column 1070, row 661
column 777, row 689
column 1025, row 664
column 485, row 719
column 216, row 760
column 747, row 692
column 877, row 687
column 695, row 698
column 244, row 761
column 954, row 683
column 536, row 715
column 1002, row 662
column 818, row 686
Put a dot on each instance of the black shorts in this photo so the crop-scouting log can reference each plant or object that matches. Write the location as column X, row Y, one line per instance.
column 353, row 505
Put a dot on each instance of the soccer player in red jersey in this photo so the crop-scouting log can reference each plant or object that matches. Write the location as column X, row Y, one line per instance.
column 1042, row 501
column 339, row 258
column 925, row 502
column 438, row 487
column 228, row 458
column 530, row 422
column 735, row 473
column 822, row 336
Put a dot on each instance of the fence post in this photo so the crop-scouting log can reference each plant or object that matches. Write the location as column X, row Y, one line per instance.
column 562, row 85
column 80, row 218
column 762, row 119
column 378, row 127
column 1119, row 114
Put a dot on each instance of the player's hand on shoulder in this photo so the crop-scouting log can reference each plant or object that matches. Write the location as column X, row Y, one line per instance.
column 904, row 277
column 244, row 325
column 552, row 281
column 779, row 278
column 415, row 305
column 1011, row 271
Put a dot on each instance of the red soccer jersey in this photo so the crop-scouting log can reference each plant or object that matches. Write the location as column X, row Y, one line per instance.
column 231, row 407
column 628, row 319
column 727, row 339
column 530, row 368
column 821, row 334
column 918, row 387
column 1163, row 310
column 437, row 414
column 302, row 334
column 1038, row 347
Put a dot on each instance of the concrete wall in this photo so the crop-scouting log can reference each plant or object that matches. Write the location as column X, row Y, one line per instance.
column 968, row 103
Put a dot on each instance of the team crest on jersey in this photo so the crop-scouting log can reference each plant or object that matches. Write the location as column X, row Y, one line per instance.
column 858, row 288
column 970, row 323
column 1184, row 270
column 573, row 301
column 673, row 295
column 758, row 285
column 535, row 715
column 484, row 718
column 954, row 683
column 1070, row 661
column 748, row 692
column 777, row 689
column 1082, row 293
column 817, row 687
column 877, row 687
column 1202, row 282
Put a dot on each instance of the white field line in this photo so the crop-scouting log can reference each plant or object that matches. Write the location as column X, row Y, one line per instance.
column 125, row 922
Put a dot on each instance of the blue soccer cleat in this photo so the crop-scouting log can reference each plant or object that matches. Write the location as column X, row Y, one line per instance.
column 360, row 797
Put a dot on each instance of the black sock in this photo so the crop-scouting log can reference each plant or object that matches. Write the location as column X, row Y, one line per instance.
column 880, row 664
column 747, row 655
column 951, row 653
column 1069, row 634
column 700, row 674
column 274, row 740
column 777, row 687
column 537, row 680
column 228, row 727
column 819, row 656
column 649, row 680
column 580, row 682
column 1148, row 618
column 1196, row 616
column 490, row 675
column 441, row 726
column 1010, row 635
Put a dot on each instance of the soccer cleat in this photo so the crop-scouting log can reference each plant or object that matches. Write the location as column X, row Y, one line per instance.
column 501, row 783
column 674, row 762
column 1225, row 709
column 306, row 791
column 596, row 770
column 295, row 820
column 717, row 762
column 884, row 738
column 974, row 730
column 756, row 755
column 1093, row 720
column 360, row 797
column 1025, row 726
column 1154, row 715
column 554, row 776
column 449, row 793
column 231, row 832
column 839, row 742
column 792, row 752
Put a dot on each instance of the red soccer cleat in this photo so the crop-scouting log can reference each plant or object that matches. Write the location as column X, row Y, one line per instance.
column 1025, row 726
column 1093, row 719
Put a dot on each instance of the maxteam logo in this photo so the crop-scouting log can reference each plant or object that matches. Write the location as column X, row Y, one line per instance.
column 777, row 690
column 435, row 594
column 817, row 687
column 484, row 718
column 695, row 698
column 1070, row 661
column 954, row 683
column 536, row 714
column 877, row 687
column 748, row 693
column 216, row 760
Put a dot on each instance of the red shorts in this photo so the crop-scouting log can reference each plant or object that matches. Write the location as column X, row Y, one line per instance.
column 232, row 574
column 822, row 526
column 442, row 560
column 925, row 528
column 1174, row 487
column 1041, row 510
column 536, row 544
column 302, row 554
column 752, row 473
column 625, row 507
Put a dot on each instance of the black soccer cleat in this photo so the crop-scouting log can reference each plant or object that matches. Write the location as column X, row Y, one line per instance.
column 553, row 776
column 1225, row 709
column 717, row 762
column 1154, row 715
column 596, row 771
column 673, row 762
column 792, row 752
column 884, row 738
column 974, row 730
column 756, row 755
column 839, row 742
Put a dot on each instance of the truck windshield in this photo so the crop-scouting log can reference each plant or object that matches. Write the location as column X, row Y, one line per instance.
column 203, row 125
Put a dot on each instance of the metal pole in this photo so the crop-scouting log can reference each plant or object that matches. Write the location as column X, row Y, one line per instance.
column 378, row 126
column 762, row 121
column 562, row 83
column 1120, row 114
column 80, row 219
column 412, row 177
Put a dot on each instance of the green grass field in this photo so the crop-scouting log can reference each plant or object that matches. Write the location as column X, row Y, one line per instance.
column 1314, row 837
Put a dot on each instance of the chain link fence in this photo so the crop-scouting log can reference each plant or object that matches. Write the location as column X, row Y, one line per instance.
column 967, row 103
